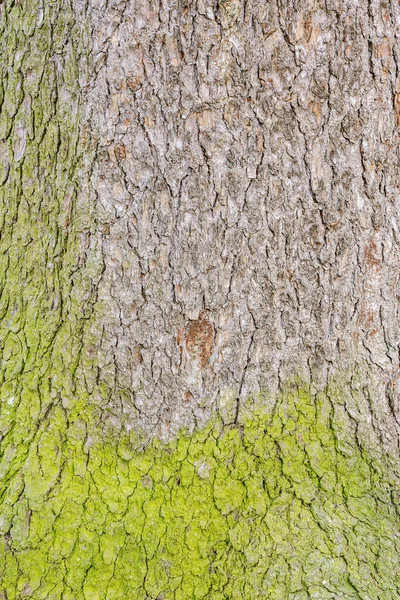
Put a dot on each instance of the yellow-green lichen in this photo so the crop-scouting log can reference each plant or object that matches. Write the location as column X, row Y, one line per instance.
column 273, row 508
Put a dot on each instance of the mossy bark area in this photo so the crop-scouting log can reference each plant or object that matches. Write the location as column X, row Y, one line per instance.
column 42, row 306
column 281, row 495
column 288, row 505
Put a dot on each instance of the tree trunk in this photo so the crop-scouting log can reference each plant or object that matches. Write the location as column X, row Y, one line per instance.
column 199, row 299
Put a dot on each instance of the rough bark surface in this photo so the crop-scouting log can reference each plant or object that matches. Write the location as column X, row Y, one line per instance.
column 246, row 189
column 199, row 213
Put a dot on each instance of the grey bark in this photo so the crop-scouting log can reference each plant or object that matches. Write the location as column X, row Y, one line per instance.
column 244, row 178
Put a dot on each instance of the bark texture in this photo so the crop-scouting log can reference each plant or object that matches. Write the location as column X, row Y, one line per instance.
column 246, row 195
column 199, row 212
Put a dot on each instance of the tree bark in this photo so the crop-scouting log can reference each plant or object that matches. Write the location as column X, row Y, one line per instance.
column 199, row 299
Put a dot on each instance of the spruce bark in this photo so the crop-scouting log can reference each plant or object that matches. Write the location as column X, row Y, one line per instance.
column 199, row 299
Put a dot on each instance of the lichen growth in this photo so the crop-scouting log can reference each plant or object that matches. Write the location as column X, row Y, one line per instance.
column 277, row 507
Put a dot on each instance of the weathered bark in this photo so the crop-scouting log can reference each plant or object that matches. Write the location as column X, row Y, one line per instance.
column 199, row 231
column 244, row 180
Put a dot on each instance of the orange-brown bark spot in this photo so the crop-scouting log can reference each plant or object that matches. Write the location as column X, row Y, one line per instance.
column 316, row 108
column 188, row 397
column 397, row 103
column 383, row 49
column 120, row 152
column 180, row 336
column 308, row 29
column 149, row 121
column 366, row 319
column 372, row 255
column 199, row 338
column 134, row 83
column 308, row 26
column 137, row 355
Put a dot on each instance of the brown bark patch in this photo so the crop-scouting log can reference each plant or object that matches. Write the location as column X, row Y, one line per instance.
column 137, row 357
column 134, row 83
column 367, row 318
column 383, row 49
column 188, row 397
column 372, row 255
column 206, row 119
column 397, row 103
column 307, row 28
column 199, row 338
column 316, row 108
column 120, row 152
